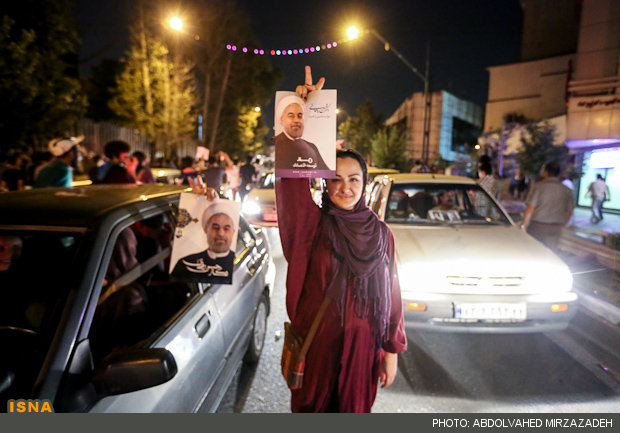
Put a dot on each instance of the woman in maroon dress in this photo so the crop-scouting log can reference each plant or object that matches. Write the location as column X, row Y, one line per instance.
column 344, row 251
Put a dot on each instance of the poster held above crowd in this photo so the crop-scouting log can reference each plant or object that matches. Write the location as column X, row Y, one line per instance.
column 305, row 134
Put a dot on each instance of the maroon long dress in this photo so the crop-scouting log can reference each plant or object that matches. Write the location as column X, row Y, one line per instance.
column 342, row 364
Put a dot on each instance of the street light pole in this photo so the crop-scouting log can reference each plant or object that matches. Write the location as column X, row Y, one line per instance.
column 427, row 95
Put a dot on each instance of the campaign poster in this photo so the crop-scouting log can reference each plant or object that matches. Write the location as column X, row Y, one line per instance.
column 205, row 240
column 305, row 134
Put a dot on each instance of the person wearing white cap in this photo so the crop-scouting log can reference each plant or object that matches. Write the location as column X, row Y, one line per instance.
column 292, row 151
column 60, row 171
column 216, row 263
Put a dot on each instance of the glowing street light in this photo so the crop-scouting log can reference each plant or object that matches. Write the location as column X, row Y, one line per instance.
column 257, row 109
column 176, row 23
column 353, row 33
column 337, row 110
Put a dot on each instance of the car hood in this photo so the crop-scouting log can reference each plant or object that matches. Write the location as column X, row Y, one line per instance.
column 471, row 259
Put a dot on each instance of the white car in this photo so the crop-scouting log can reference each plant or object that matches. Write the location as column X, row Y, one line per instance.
column 259, row 206
column 464, row 266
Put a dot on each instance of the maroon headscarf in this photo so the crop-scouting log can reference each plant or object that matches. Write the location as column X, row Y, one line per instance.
column 359, row 242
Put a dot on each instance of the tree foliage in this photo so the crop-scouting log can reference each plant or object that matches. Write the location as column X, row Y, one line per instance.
column 193, row 73
column 229, row 83
column 154, row 92
column 40, row 95
column 359, row 131
column 538, row 148
column 389, row 147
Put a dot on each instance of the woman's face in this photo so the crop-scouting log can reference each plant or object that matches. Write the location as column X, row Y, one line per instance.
column 346, row 188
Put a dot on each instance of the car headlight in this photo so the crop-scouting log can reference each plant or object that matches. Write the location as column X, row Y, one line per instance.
column 551, row 278
column 250, row 208
column 416, row 278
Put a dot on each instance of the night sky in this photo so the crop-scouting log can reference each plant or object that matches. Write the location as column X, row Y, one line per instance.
column 466, row 37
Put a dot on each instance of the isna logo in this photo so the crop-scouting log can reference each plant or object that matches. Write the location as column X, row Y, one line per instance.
column 29, row 406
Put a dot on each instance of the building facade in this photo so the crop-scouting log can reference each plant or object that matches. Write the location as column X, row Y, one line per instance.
column 578, row 91
column 454, row 127
column 593, row 118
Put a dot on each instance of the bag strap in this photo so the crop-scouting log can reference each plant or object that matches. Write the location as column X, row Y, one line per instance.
column 313, row 328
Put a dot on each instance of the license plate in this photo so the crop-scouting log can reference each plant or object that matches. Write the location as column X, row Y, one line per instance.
column 270, row 216
column 486, row 311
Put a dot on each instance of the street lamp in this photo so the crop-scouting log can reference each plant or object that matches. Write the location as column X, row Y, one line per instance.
column 353, row 31
column 176, row 23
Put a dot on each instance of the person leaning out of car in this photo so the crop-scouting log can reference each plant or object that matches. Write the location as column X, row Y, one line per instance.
column 549, row 206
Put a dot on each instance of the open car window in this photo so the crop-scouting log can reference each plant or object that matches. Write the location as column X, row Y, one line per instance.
column 137, row 297
column 428, row 204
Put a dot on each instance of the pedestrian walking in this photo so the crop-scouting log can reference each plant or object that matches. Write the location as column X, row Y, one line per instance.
column 549, row 206
column 341, row 251
column 247, row 173
column 599, row 191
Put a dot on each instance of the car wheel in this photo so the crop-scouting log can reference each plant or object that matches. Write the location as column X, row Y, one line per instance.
column 259, row 330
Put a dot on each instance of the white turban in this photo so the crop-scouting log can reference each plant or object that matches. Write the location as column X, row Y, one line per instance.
column 286, row 101
column 217, row 207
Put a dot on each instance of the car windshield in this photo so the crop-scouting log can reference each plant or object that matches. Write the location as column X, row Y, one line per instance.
column 266, row 182
column 36, row 271
column 442, row 204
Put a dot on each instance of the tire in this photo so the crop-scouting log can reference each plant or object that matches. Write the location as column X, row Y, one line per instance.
column 259, row 331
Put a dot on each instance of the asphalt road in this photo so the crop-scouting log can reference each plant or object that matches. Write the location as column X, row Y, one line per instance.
column 577, row 370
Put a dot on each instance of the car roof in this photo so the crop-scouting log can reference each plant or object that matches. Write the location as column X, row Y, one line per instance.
column 79, row 207
column 429, row 178
column 373, row 170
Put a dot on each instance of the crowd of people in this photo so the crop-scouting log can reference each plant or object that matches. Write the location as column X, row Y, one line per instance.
column 118, row 165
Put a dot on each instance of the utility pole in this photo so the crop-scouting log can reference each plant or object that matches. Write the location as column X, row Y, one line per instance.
column 427, row 93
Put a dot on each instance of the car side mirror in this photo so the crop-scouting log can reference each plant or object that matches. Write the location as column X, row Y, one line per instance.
column 132, row 370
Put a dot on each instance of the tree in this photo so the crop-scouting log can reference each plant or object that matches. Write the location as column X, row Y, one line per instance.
column 40, row 95
column 359, row 131
column 229, row 83
column 98, row 89
column 389, row 147
column 538, row 148
column 153, row 92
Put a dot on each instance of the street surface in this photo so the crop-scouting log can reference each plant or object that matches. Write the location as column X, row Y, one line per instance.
column 577, row 370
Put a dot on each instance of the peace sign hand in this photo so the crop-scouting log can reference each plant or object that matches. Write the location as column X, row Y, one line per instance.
column 304, row 91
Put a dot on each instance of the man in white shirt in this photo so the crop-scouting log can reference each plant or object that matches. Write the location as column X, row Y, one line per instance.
column 599, row 191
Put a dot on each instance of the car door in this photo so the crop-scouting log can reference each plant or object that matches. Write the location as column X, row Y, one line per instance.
column 183, row 319
column 236, row 302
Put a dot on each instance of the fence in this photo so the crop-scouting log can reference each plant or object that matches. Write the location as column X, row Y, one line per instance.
column 97, row 134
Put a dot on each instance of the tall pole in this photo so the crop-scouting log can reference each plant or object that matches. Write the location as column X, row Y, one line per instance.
column 427, row 108
column 427, row 94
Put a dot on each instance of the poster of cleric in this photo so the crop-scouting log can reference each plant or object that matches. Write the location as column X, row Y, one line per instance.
column 305, row 134
column 205, row 239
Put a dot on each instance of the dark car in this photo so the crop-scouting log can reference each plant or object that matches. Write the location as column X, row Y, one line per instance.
column 89, row 319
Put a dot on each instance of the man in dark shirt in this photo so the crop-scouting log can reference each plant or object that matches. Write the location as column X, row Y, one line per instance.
column 13, row 177
column 248, row 176
column 213, row 175
column 292, row 151
column 115, row 170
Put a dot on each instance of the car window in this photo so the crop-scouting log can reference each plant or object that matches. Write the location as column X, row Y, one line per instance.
column 137, row 297
column 245, row 238
column 442, row 204
column 375, row 197
column 38, row 269
column 267, row 181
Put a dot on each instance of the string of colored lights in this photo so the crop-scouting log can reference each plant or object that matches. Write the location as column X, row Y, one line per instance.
column 284, row 52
